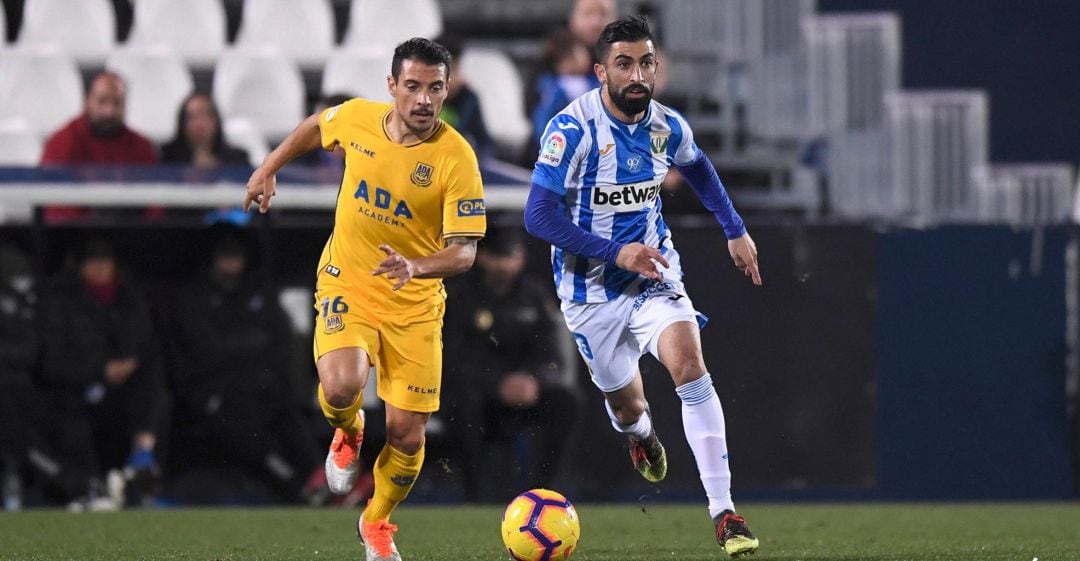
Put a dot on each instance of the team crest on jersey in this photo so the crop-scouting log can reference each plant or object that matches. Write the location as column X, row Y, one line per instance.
column 422, row 174
column 659, row 141
column 553, row 149
column 333, row 324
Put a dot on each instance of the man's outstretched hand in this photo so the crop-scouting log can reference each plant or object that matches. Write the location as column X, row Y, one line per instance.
column 261, row 187
column 744, row 253
column 395, row 267
column 642, row 260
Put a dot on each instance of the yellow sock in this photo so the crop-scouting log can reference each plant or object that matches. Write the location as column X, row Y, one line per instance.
column 395, row 472
column 345, row 418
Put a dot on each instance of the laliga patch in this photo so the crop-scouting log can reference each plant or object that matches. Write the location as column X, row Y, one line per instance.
column 331, row 112
column 551, row 153
column 470, row 207
column 333, row 324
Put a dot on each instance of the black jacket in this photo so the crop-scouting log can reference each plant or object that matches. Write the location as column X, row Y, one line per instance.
column 488, row 336
column 237, row 345
column 79, row 334
column 18, row 335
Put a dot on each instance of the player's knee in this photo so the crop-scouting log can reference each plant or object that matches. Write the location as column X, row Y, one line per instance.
column 687, row 371
column 405, row 438
column 629, row 412
column 341, row 391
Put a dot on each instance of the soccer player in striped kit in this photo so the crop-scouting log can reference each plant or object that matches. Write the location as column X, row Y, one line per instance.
column 595, row 199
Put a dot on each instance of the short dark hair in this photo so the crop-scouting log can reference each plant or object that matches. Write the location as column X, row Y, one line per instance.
column 627, row 29
column 424, row 50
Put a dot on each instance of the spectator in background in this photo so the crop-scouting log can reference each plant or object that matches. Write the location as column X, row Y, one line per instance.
column 588, row 19
column 566, row 69
column 200, row 140
column 462, row 107
column 18, row 354
column 568, row 74
column 101, row 366
column 99, row 135
column 506, row 356
column 233, row 382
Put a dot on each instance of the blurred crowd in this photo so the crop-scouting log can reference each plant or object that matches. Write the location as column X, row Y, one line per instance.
column 100, row 135
column 110, row 397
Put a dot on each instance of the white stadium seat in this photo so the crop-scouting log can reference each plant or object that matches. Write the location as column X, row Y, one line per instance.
column 358, row 74
column 302, row 29
column 242, row 133
column 20, row 144
column 261, row 85
column 85, row 29
column 195, row 29
column 497, row 83
column 157, row 83
column 385, row 23
column 42, row 86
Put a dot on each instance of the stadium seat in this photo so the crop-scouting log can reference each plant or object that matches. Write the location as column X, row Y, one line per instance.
column 242, row 133
column 40, row 85
column 85, row 29
column 263, row 86
column 358, row 73
column 158, row 81
column 497, row 83
column 20, row 144
column 302, row 29
column 195, row 29
column 385, row 23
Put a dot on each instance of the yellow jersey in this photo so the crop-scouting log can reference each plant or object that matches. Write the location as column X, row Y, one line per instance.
column 410, row 197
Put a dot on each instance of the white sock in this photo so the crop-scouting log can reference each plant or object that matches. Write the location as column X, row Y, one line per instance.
column 641, row 429
column 703, row 422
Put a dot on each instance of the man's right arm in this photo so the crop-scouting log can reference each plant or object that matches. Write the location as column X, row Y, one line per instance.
column 263, row 182
column 544, row 220
column 558, row 159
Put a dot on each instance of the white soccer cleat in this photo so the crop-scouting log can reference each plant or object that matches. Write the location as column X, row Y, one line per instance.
column 343, row 460
column 378, row 540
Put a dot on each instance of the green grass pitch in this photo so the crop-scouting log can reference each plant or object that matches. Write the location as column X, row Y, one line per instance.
column 863, row 532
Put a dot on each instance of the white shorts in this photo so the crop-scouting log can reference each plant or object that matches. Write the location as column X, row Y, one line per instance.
column 612, row 336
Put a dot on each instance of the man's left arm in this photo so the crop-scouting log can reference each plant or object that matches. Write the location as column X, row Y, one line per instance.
column 464, row 221
column 456, row 258
column 701, row 175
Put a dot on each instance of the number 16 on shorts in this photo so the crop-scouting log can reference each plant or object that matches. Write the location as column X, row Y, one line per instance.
column 331, row 313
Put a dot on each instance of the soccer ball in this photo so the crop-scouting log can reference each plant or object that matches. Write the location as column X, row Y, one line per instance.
column 540, row 525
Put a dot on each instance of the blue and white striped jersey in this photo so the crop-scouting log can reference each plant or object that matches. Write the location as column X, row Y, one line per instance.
column 609, row 175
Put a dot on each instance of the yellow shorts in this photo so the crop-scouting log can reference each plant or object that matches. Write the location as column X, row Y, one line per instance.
column 405, row 351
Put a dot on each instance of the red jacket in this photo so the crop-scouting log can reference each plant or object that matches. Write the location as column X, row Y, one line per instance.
column 75, row 144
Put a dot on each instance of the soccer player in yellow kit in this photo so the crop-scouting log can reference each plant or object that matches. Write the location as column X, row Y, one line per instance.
column 409, row 213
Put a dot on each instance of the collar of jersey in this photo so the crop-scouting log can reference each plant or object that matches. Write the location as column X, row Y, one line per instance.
column 386, row 133
column 625, row 127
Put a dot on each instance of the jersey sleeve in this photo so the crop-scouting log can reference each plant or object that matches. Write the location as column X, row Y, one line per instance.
column 332, row 119
column 463, row 198
column 686, row 151
column 560, row 153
